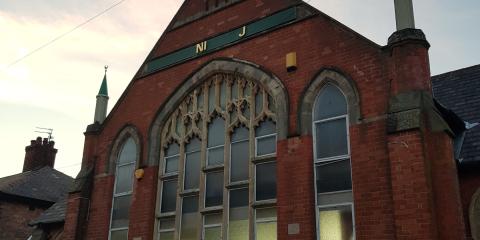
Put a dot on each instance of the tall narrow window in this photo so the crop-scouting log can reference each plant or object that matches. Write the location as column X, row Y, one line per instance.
column 332, row 166
column 219, row 181
column 122, row 195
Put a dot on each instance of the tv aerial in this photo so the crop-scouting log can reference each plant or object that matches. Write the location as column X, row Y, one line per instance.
column 48, row 131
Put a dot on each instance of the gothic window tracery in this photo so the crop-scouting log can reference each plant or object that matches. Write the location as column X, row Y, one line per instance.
column 218, row 174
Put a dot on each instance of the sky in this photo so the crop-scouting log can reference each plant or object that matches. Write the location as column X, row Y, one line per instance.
column 56, row 86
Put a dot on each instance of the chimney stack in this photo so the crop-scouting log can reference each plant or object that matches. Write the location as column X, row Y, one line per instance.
column 39, row 154
column 404, row 14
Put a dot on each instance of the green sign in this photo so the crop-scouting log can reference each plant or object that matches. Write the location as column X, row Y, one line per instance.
column 221, row 41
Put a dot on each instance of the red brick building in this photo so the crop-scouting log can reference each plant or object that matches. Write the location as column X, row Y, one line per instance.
column 267, row 119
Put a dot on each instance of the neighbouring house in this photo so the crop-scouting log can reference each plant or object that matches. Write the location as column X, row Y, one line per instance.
column 30, row 194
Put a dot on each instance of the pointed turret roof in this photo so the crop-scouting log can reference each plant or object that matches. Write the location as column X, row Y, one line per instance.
column 103, row 88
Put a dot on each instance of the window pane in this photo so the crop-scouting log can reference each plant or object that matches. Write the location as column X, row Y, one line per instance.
column 171, row 164
column 216, row 132
column 335, row 198
column 239, row 161
column 266, row 145
column 189, row 218
column 119, row 235
column 266, row 214
column 214, row 189
column 169, row 196
column 212, row 225
column 128, row 154
column 266, row 187
column 258, row 102
column 215, row 156
column 124, row 178
column 336, row 223
column 213, row 233
column 240, row 134
column 166, row 235
column 223, row 92
column 120, row 211
column 330, row 103
column 194, row 145
column 331, row 138
column 173, row 149
column 334, row 176
column 238, row 222
column 266, row 231
column 166, row 224
column 211, row 97
column 265, row 128
column 192, row 170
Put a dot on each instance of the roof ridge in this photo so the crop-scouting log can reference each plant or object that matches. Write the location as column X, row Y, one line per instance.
column 458, row 70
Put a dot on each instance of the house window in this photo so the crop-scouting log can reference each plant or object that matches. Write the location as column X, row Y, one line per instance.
column 122, row 196
column 333, row 185
column 218, row 177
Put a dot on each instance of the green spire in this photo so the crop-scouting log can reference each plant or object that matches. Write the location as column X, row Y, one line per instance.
column 103, row 89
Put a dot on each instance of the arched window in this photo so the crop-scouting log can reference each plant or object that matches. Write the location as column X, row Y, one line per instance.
column 122, row 195
column 223, row 138
column 334, row 200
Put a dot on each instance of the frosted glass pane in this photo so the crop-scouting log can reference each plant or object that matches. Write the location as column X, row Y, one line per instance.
column 166, row 236
column 166, row 224
column 120, row 211
column 171, row 164
column 266, row 185
column 124, row 178
column 216, row 132
column 330, row 103
column 266, row 145
column 214, row 189
column 334, row 176
column 213, row 233
column 189, row 218
column 265, row 128
column 213, row 219
column 128, row 154
column 169, row 196
column 265, row 214
column 192, row 170
column 238, row 222
column 215, row 156
column 173, row 149
column 335, row 223
column 239, row 161
column 266, row 231
column 331, row 138
column 119, row 235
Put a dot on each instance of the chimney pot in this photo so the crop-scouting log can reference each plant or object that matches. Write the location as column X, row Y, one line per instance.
column 39, row 154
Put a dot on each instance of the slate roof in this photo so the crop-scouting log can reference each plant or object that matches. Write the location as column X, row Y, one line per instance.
column 54, row 214
column 459, row 91
column 45, row 184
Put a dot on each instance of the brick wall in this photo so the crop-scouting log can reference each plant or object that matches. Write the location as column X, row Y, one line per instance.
column 393, row 192
column 14, row 219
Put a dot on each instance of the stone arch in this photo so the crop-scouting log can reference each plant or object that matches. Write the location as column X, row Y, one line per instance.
column 327, row 76
column 235, row 66
column 474, row 213
column 129, row 131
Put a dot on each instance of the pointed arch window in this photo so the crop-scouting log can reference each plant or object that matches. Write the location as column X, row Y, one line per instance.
column 225, row 186
column 333, row 185
column 122, row 196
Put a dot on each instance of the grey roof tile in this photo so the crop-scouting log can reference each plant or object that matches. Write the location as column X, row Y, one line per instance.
column 460, row 92
column 46, row 184
column 54, row 214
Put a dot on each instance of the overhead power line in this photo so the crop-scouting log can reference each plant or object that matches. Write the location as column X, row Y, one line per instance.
column 65, row 33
